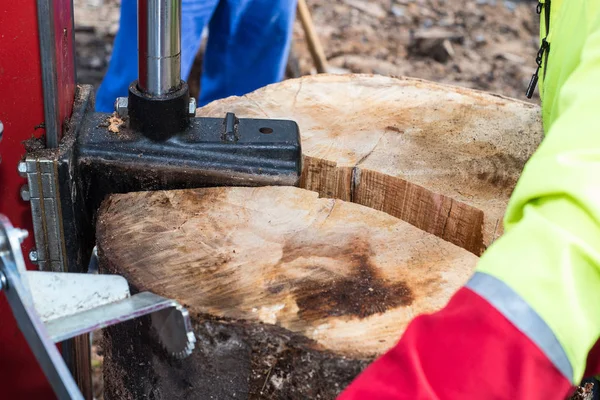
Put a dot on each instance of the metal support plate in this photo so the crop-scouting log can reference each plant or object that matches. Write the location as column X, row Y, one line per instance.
column 73, row 293
column 42, row 178
column 29, row 323
column 86, row 302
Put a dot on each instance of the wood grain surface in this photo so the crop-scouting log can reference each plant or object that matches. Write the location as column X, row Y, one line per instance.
column 443, row 158
column 294, row 291
column 334, row 271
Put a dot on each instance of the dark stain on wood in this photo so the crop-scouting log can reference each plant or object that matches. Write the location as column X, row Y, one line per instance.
column 361, row 293
column 394, row 129
column 500, row 170
column 276, row 288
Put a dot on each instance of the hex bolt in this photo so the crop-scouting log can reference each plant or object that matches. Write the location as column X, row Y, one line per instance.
column 25, row 195
column 22, row 169
column 192, row 107
column 121, row 104
column 33, row 256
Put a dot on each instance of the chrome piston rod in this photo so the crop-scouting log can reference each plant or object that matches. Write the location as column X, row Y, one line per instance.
column 159, row 46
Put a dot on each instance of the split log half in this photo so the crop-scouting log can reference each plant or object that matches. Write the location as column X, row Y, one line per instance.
column 292, row 295
column 442, row 158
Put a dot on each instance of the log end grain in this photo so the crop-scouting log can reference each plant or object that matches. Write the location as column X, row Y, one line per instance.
column 284, row 287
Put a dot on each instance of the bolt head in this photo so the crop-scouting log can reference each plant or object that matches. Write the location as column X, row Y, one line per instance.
column 33, row 256
column 25, row 195
column 22, row 169
column 192, row 107
column 121, row 104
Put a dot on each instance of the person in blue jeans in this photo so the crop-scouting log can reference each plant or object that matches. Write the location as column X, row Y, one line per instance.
column 247, row 48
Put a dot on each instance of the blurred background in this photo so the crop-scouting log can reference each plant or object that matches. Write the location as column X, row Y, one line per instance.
column 483, row 44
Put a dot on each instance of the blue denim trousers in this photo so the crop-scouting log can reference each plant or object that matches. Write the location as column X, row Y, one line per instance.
column 248, row 45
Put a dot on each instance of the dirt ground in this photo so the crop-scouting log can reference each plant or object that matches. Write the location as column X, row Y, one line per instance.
column 483, row 44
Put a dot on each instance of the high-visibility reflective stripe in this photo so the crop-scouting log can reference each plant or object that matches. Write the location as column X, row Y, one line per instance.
column 517, row 311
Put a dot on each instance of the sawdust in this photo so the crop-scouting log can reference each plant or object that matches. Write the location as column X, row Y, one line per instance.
column 115, row 123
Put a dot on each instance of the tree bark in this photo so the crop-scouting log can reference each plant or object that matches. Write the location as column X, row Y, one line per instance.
column 291, row 295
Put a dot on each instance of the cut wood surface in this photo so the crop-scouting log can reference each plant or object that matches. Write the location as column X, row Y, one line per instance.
column 292, row 294
column 443, row 158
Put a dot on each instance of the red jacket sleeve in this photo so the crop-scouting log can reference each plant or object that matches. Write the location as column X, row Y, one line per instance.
column 468, row 350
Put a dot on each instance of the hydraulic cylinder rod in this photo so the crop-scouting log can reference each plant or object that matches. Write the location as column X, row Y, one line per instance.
column 159, row 46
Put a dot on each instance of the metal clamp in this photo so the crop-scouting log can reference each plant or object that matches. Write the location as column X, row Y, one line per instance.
column 50, row 307
column 42, row 193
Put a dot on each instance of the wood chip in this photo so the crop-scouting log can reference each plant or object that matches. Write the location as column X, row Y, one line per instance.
column 370, row 8
column 115, row 123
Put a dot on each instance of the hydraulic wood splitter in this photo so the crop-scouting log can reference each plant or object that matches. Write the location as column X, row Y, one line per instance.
column 60, row 159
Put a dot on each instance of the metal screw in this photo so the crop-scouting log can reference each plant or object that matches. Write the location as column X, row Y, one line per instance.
column 25, row 196
column 33, row 256
column 22, row 169
column 1, row 130
column 192, row 107
column 121, row 104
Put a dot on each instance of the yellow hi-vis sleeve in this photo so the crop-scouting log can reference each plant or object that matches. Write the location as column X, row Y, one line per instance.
column 550, row 253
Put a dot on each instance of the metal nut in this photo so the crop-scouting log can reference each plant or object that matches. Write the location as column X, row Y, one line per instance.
column 192, row 107
column 25, row 195
column 33, row 256
column 121, row 104
column 22, row 169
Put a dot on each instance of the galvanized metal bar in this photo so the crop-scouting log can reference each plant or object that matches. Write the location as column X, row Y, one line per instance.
column 19, row 298
column 106, row 315
column 55, row 31
column 72, row 293
column 46, row 32
column 45, row 350
column 46, row 211
column 159, row 46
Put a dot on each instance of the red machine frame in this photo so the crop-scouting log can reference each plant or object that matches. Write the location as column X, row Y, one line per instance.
column 37, row 85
